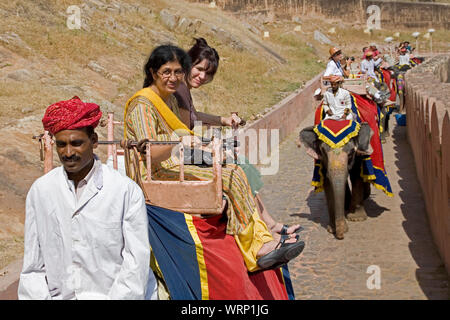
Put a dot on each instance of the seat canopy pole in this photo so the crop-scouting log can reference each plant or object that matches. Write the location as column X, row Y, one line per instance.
column 181, row 162
column 149, row 161
column 112, row 148
column 110, row 132
column 48, row 152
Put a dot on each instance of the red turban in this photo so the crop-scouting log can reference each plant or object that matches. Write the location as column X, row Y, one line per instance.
column 71, row 114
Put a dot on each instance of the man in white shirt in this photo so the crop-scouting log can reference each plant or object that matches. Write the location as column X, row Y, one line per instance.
column 334, row 67
column 404, row 57
column 86, row 227
column 368, row 65
column 337, row 101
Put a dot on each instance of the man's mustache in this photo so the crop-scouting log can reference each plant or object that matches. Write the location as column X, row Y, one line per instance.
column 71, row 158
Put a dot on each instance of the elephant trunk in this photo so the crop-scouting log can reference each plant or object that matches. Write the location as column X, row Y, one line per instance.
column 337, row 174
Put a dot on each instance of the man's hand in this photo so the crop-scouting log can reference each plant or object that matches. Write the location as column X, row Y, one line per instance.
column 329, row 112
column 346, row 113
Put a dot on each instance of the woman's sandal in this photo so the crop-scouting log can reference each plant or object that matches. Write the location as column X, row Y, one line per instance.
column 283, row 253
column 285, row 228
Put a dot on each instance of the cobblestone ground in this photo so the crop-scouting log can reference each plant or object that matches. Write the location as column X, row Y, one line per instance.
column 396, row 237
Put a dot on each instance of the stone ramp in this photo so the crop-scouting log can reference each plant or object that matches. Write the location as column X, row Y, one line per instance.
column 396, row 236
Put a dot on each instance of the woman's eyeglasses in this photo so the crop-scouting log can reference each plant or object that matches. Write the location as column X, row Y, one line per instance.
column 166, row 74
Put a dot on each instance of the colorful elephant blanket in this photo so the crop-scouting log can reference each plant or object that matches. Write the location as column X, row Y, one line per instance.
column 372, row 169
column 198, row 260
column 336, row 133
column 387, row 78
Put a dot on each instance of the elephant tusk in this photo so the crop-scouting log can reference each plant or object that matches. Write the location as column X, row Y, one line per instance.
column 312, row 153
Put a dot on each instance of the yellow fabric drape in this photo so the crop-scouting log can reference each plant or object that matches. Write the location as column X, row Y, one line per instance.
column 255, row 234
column 251, row 239
column 172, row 120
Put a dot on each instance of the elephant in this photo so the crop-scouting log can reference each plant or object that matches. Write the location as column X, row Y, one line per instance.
column 385, row 111
column 381, row 98
column 338, row 165
column 398, row 73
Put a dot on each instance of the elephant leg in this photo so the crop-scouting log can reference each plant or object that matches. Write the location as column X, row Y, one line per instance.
column 348, row 197
column 357, row 211
column 402, row 102
column 366, row 193
column 331, row 228
column 386, row 123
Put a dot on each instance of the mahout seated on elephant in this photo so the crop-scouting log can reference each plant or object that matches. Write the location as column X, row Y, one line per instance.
column 343, row 148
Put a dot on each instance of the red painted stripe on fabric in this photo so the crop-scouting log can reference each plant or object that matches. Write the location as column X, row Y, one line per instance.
column 227, row 274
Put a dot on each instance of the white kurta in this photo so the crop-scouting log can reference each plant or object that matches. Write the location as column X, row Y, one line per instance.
column 333, row 69
column 368, row 67
column 96, row 247
column 403, row 59
column 337, row 103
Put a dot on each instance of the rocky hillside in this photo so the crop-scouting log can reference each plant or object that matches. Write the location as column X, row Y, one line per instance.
column 43, row 61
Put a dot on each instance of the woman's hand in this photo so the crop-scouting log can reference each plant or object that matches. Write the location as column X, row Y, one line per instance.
column 193, row 142
column 232, row 121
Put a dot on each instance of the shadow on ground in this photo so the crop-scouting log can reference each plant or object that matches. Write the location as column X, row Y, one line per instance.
column 430, row 274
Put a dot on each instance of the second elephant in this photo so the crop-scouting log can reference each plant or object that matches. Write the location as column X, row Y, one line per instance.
column 338, row 164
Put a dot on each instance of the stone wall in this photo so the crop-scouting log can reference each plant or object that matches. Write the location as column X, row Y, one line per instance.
column 428, row 127
column 284, row 117
column 393, row 13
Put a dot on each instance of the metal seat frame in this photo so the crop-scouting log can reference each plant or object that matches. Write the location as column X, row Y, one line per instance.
column 193, row 197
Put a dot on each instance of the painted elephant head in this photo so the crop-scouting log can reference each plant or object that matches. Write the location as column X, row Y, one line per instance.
column 337, row 164
column 360, row 144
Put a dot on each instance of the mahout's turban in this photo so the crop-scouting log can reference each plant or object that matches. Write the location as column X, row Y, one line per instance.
column 71, row 114
column 335, row 79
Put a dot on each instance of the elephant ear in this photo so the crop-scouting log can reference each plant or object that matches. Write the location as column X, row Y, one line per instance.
column 309, row 138
column 363, row 140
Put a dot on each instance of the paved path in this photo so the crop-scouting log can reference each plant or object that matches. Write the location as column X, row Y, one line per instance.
column 396, row 237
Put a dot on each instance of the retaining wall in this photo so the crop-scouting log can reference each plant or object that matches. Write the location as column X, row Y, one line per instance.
column 428, row 129
column 284, row 117
column 393, row 13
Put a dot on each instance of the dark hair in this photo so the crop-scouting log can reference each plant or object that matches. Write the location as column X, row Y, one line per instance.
column 161, row 55
column 364, row 49
column 200, row 51
column 89, row 130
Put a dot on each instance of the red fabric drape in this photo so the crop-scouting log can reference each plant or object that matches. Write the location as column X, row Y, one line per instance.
column 228, row 278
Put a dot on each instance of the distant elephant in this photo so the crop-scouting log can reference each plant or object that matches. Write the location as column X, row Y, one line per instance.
column 399, row 76
column 338, row 163
column 381, row 98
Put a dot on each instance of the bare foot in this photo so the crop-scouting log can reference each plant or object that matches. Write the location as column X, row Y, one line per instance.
column 278, row 226
column 271, row 245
